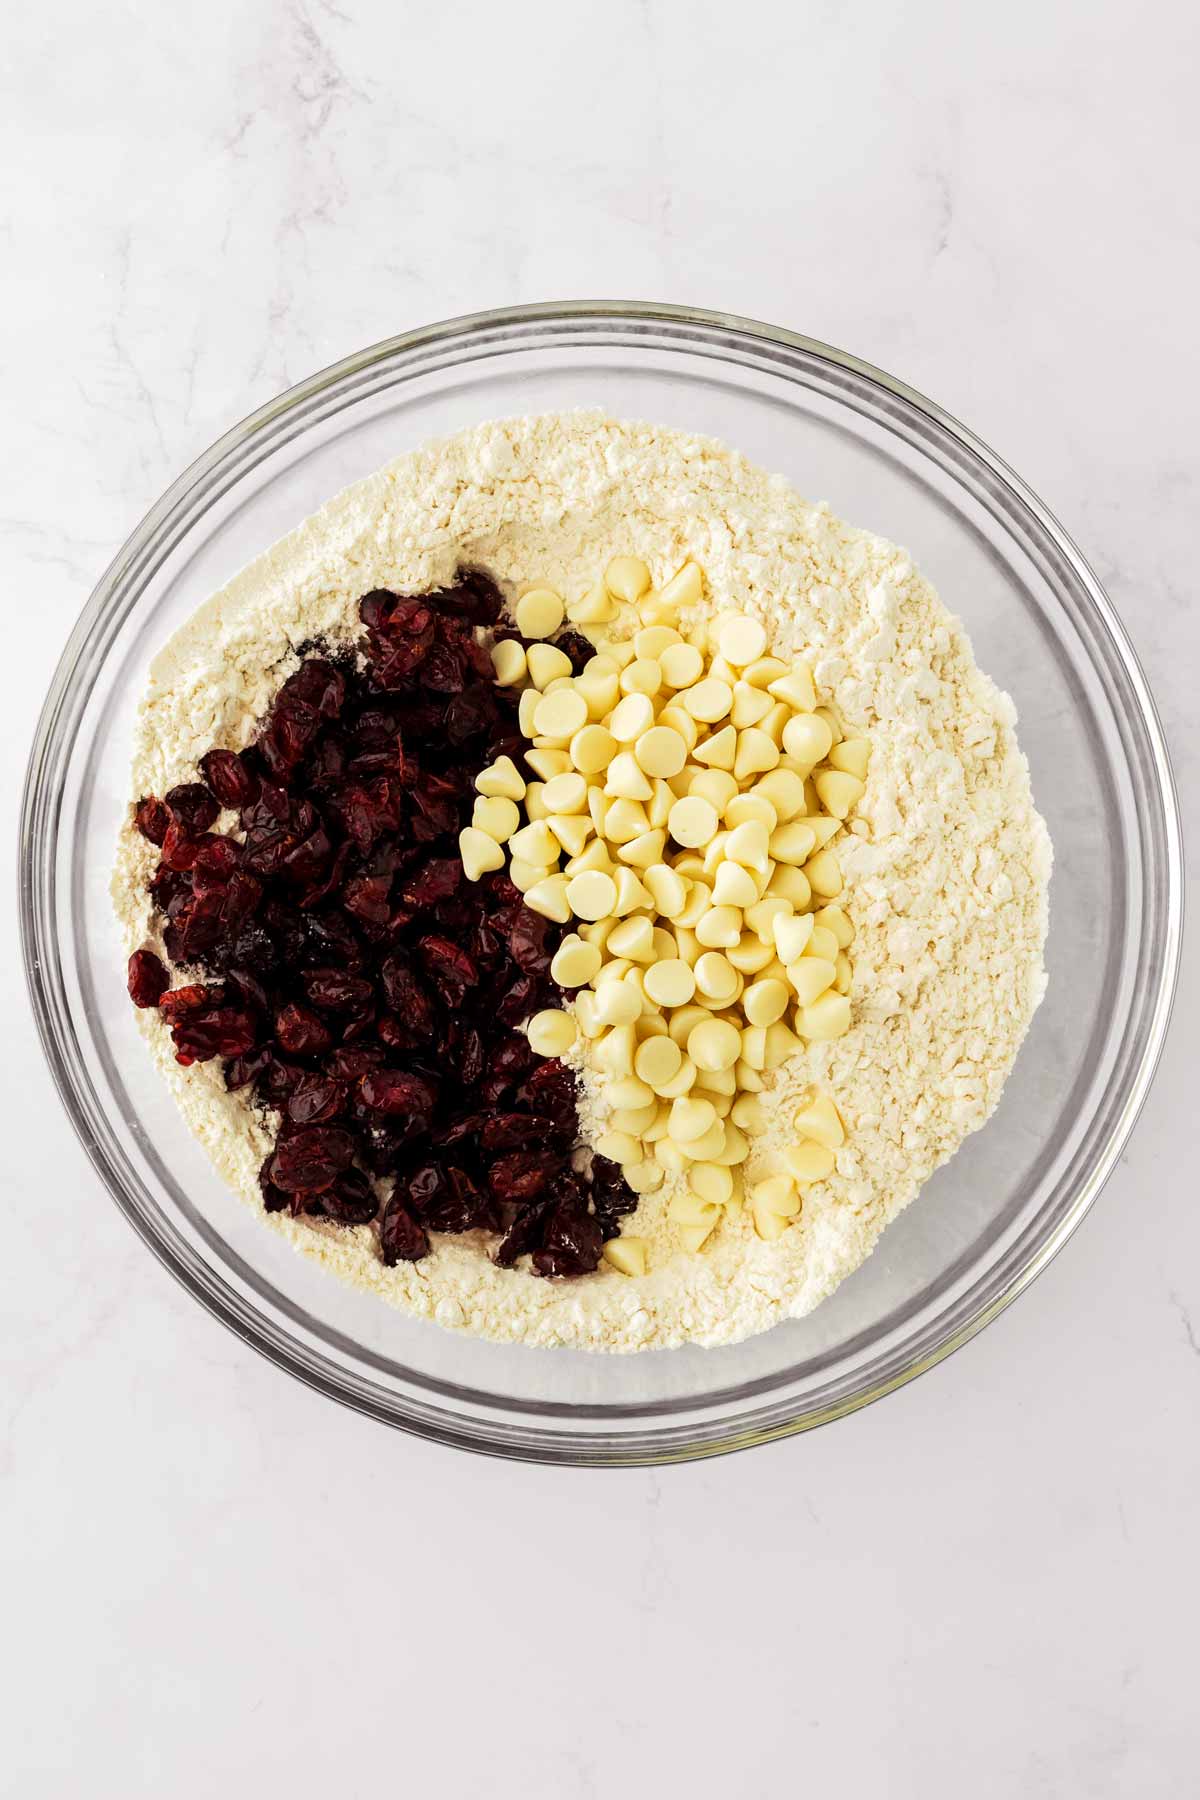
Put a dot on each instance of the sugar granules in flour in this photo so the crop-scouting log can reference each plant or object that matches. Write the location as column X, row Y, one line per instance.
column 946, row 862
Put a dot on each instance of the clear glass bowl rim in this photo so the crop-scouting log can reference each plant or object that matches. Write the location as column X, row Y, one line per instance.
column 77, row 671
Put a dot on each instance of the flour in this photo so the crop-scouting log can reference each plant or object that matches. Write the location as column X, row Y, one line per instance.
column 946, row 861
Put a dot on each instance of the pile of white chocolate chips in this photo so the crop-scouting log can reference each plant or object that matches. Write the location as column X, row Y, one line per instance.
column 689, row 797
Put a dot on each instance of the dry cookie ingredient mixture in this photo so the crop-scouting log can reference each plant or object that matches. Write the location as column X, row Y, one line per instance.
column 943, row 858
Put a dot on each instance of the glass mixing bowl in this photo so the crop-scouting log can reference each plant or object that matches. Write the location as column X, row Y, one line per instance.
column 885, row 458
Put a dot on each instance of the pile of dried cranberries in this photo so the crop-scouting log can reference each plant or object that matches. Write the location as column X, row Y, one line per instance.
column 354, row 981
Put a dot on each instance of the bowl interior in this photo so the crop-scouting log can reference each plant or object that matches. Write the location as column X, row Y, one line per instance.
column 882, row 460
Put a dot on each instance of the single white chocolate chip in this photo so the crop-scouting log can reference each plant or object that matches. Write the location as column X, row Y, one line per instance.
column 807, row 738
column 501, row 778
column 591, row 895
column 479, row 853
column 660, row 751
column 796, row 688
column 658, row 1061
column 719, row 927
column 497, row 816
column 809, row 1161
column 670, row 982
column 756, row 753
column 718, row 751
column 765, row 1001
column 827, row 1017
column 681, row 665
column 818, row 1118
column 561, row 714
column 592, row 749
column 684, row 588
column 776, row 1194
column 734, row 886
column 627, row 1254
column 534, row 843
column 716, row 1044
column 631, row 717
column 824, row 874
column 539, row 613
column 707, row 700
column 549, row 897
column 566, row 793
column 627, row 578
column 508, row 662
column 575, row 963
column 750, row 705
column 625, row 779
column 741, row 639
column 839, row 793
column 690, row 1118
column 546, row 663
column 551, row 1033
column 692, row 821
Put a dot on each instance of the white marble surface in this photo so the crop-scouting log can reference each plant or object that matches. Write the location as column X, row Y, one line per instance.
column 214, row 1579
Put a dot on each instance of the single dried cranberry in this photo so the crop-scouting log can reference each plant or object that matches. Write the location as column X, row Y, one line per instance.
column 352, row 1061
column 398, row 1094
column 351, row 1199
column 300, row 1032
column 278, row 1080
column 230, row 780
column 527, row 942
column 517, row 1131
column 147, row 979
column 310, row 1160
column 572, row 1243
column 524, row 1174
column 315, row 1100
column 525, row 1233
column 188, row 1000
column 401, row 1237
column 192, row 807
column 434, row 881
column 550, row 1090
column 316, row 684
column 274, row 1198
column 449, row 968
column 240, row 1071
column 214, row 1031
column 152, row 819
column 334, row 991
column 577, row 647
column 366, row 896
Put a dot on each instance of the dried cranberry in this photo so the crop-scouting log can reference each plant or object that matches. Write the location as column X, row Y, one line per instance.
column 525, row 1233
column 315, row 1100
column 240, row 1071
column 577, row 647
column 434, row 881
column 334, row 991
column 350, row 1200
column 572, row 1243
column 309, row 1161
column 147, row 980
column 524, row 1174
column 230, row 780
column 449, row 968
column 401, row 1237
column 397, row 1094
column 152, row 819
column 192, row 807
column 517, row 1131
column 300, row 1032
column 214, row 1031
